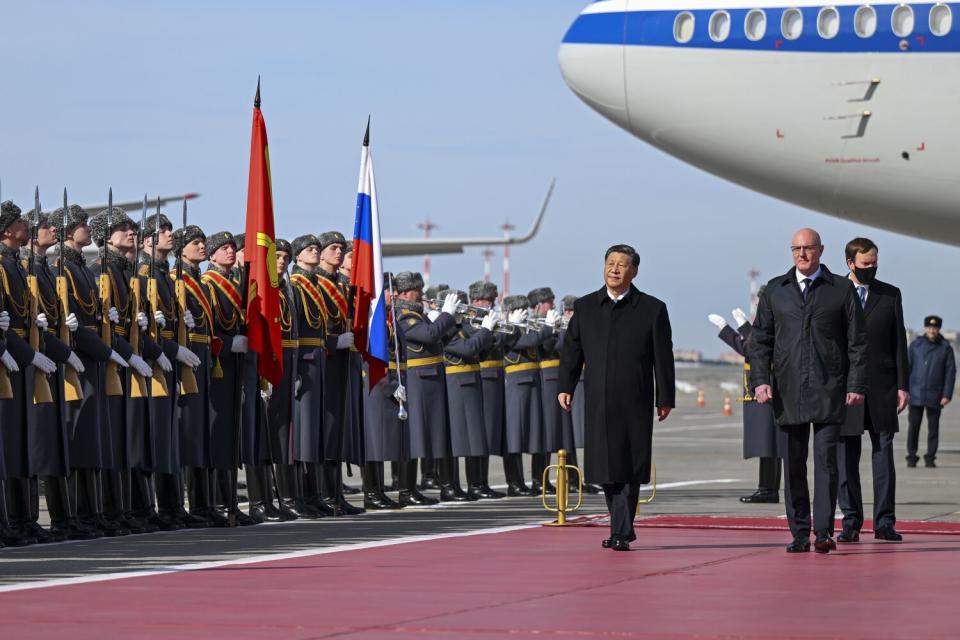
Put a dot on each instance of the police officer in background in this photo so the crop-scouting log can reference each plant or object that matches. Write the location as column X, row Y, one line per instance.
column 933, row 372
column 548, row 437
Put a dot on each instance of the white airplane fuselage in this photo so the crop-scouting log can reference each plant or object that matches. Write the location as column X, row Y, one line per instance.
column 862, row 127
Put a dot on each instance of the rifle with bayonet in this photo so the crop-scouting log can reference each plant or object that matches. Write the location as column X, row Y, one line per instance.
column 72, row 389
column 188, row 379
column 138, row 385
column 112, row 375
column 158, row 382
column 41, row 385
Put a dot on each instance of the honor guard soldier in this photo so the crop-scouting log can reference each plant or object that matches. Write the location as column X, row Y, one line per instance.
column 760, row 434
column 347, row 267
column 227, row 374
column 522, row 396
column 422, row 339
column 281, row 400
column 309, row 317
column 115, row 234
column 484, row 295
column 336, row 372
column 428, row 471
column 550, row 438
column 161, row 297
column 87, row 418
column 383, row 428
column 193, row 408
column 468, row 429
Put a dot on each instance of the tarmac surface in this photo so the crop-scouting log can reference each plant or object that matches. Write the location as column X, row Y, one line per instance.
column 700, row 473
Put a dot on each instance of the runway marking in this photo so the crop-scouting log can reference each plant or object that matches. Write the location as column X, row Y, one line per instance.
column 697, row 427
column 214, row 564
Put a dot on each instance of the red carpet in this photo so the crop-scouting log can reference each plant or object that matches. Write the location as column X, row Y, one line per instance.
column 753, row 523
column 539, row 582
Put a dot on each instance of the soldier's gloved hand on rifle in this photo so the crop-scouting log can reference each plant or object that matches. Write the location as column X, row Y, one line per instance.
column 266, row 392
column 296, row 387
column 490, row 320
column 8, row 362
column 143, row 321
column 450, row 302
column 160, row 320
column 4, row 320
column 113, row 315
column 42, row 323
column 400, row 395
column 74, row 361
column 717, row 321
column 140, row 366
column 238, row 344
column 739, row 316
column 188, row 357
column 552, row 318
column 188, row 319
column 518, row 316
column 43, row 363
column 115, row 357
column 164, row 363
column 433, row 315
column 345, row 340
column 72, row 323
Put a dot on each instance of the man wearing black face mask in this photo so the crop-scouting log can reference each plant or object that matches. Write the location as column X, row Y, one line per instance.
column 888, row 377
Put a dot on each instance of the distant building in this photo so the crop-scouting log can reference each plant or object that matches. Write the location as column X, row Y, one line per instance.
column 730, row 357
column 687, row 355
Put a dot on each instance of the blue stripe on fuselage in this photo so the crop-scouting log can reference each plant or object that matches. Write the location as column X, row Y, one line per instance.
column 655, row 28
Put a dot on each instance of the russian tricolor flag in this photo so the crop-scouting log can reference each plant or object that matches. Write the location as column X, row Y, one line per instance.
column 370, row 312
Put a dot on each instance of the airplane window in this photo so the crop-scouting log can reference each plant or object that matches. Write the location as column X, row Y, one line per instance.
column 865, row 21
column 902, row 21
column 941, row 20
column 719, row 26
column 791, row 25
column 828, row 22
column 683, row 27
column 755, row 24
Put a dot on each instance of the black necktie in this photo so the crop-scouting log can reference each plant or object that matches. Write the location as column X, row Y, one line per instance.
column 807, row 282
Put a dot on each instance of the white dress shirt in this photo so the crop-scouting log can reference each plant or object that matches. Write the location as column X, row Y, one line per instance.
column 812, row 277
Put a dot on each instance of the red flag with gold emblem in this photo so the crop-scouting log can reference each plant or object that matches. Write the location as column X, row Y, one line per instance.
column 260, row 258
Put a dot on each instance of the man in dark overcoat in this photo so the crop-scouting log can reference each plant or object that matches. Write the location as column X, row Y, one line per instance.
column 888, row 379
column 809, row 357
column 623, row 338
column 933, row 372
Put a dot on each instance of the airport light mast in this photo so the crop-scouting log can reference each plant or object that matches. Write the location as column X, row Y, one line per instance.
column 487, row 254
column 507, row 228
column 426, row 226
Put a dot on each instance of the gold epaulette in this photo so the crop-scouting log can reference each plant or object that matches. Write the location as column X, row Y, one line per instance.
column 144, row 271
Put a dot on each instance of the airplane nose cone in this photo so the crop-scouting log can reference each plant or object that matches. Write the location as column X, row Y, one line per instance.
column 591, row 62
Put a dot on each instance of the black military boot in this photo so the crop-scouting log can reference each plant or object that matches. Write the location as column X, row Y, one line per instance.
column 513, row 471
column 450, row 490
column 62, row 522
column 287, row 493
column 373, row 496
column 312, row 492
column 538, row 463
column 428, row 475
column 256, row 489
column 330, row 483
column 410, row 496
column 10, row 535
column 486, row 491
column 394, row 477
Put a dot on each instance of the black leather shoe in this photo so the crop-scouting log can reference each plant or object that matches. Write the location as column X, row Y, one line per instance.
column 912, row 461
column 452, row 493
column 416, row 499
column 887, row 533
column 271, row 512
column 287, row 513
column 848, row 535
column 305, row 510
column 428, row 482
column 341, row 507
column 761, row 497
column 516, row 490
column 131, row 524
column 196, row 520
column 929, row 463
column 11, row 537
column 42, row 536
column 549, row 488
column 111, row 528
column 216, row 518
column 592, row 488
column 620, row 544
column 349, row 490
column 66, row 529
column 536, row 489
column 379, row 502
column 257, row 513
column 168, row 521
column 244, row 520
column 607, row 543
column 485, row 492
column 824, row 544
column 800, row 544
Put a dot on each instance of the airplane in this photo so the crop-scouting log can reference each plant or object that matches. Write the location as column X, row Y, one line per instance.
column 843, row 107
column 390, row 248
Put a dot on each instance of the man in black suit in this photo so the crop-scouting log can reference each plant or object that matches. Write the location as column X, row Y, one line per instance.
column 809, row 357
column 888, row 379
column 623, row 338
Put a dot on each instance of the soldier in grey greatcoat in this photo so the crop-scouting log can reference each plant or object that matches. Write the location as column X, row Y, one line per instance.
column 550, row 436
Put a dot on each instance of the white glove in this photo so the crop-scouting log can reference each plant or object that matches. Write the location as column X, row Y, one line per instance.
column 113, row 315
column 8, row 362
column 143, row 321
column 450, row 302
column 238, row 344
column 115, row 357
column 296, row 388
column 187, row 357
column 266, row 393
column 164, row 363
column 490, row 320
column 345, row 340
column 75, row 363
column 433, row 315
column 516, row 316
column 739, row 316
column 44, row 363
column 72, row 323
column 42, row 323
column 140, row 366
column 553, row 317
column 717, row 320
column 188, row 319
column 4, row 320
column 400, row 395
column 160, row 320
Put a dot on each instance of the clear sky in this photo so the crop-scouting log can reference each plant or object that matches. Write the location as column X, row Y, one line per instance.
column 471, row 119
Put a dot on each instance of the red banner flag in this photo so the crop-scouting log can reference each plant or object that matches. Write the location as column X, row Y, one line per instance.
column 263, row 296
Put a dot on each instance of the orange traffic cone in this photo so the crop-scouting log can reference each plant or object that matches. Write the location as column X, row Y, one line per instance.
column 701, row 401
column 727, row 406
